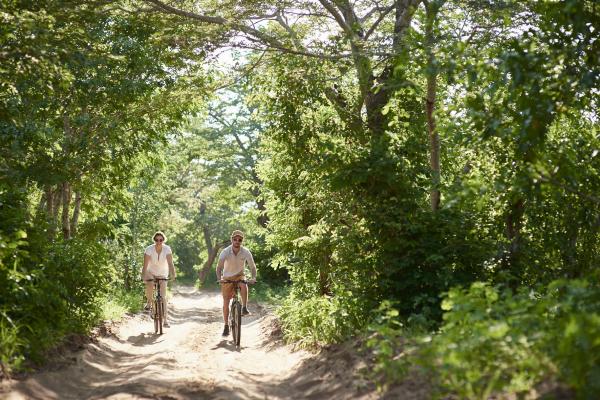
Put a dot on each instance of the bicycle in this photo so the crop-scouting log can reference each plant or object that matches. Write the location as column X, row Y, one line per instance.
column 235, row 312
column 157, row 312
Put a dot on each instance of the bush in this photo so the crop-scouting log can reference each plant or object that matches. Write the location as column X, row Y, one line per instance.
column 11, row 345
column 493, row 340
column 387, row 339
column 486, row 344
column 119, row 301
column 48, row 292
column 573, row 322
column 319, row 320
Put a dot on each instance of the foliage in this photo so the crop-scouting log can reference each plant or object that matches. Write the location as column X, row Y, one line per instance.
column 323, row 150
column 119, row 301
column 494, row 340
column 11, row 353
column 88, row 91
column 46, row 297
column 273, row 293
column 319, row 320
column 387, row 341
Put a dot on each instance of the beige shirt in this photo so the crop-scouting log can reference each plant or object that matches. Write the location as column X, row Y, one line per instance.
column 233, row 264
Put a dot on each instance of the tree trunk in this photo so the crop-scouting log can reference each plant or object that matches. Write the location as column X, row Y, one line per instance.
column 49, row 195
column 211, row 250
column 66, row 186
column 324, row 284
column 434, row 140
column 212, row 255
column 66, row 203
column 262, row 218
column 76, row 210
column 434, row 157
column 57, row 195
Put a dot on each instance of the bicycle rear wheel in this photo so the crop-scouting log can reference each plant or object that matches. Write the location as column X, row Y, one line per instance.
column 237, row 317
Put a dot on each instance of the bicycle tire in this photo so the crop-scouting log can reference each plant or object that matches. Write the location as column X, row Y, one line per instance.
column 161, row 315
column 238, row 322
column 232, row 327
column 155, row 311
column 232, row 319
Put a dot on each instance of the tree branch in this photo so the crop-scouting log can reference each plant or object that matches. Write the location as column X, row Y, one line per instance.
column 378, row 21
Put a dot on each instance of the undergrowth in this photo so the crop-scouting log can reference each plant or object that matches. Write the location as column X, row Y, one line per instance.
column 494, row 340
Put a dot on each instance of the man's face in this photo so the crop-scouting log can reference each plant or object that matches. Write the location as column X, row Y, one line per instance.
column 236, row 241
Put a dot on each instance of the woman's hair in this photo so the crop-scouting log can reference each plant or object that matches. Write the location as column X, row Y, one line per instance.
column 159, row 233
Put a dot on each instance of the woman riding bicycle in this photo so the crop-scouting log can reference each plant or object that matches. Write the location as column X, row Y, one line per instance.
column 158, row 263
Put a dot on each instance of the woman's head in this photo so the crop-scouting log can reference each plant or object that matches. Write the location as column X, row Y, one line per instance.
column 159, row 237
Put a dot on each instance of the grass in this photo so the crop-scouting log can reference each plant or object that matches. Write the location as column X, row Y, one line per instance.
column 120, row 301
column 268, row 293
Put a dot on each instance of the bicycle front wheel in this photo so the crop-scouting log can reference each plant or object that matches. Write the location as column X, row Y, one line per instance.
column 237, row 317
column 161, row 315
column 232, row 324
column 155, row 313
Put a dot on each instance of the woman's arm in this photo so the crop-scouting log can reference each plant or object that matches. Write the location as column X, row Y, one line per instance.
column 220, row 266
column 171, row 266
column 145, row 267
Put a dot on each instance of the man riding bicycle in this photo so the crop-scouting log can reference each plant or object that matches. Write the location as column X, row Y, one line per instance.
column 231, row 268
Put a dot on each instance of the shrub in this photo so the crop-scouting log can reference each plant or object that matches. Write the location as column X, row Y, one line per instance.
column 494, row 340
column 487, row 344
column 10, row 346
column 53, row 290
column 319, row 320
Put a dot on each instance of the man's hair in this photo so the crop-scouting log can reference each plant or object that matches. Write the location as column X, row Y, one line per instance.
column 237, row 233
column 159, row 233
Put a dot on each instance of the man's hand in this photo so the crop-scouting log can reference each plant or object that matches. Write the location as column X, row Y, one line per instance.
column 252, row 281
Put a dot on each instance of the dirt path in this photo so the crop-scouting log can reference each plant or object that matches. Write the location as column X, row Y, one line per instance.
column 192, row 361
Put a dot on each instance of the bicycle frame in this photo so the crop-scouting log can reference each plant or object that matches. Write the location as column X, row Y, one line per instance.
column 235, row 312
column 158, row 305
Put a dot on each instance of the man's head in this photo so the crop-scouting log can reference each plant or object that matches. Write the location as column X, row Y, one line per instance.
column 237, row 237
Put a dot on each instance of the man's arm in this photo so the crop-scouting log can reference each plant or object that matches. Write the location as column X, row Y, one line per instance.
column 252, row 266
column 171, row 266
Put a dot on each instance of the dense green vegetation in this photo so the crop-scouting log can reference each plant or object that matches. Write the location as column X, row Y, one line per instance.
column 424, row 170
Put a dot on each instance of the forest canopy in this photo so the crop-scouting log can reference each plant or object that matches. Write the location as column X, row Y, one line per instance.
column 393, row 163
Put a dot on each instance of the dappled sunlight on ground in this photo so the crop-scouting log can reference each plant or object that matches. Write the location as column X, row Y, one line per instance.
column 190, row 361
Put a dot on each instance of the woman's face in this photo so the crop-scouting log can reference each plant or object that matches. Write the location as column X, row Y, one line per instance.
column 158, row 240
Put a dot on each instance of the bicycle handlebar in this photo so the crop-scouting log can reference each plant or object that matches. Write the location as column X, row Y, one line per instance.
column 240, row 281
column 156, row 279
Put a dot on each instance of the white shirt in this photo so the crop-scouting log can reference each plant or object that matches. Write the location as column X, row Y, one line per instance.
column 158, row 265
column 234, row 264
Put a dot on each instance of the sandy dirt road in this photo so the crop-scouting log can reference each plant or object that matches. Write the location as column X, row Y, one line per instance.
column 191, row 361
